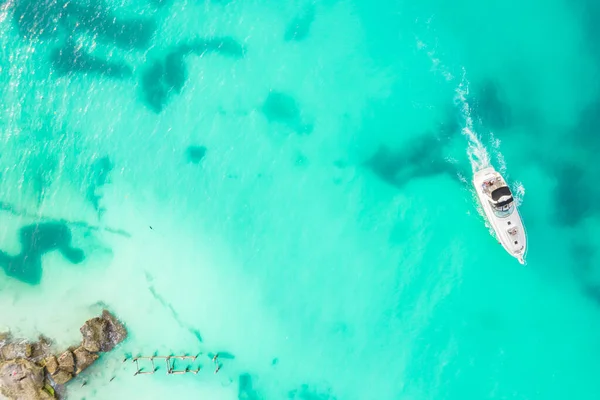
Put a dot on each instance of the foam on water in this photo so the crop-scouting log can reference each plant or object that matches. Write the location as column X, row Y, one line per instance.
column 495, row 143
column 476, row 151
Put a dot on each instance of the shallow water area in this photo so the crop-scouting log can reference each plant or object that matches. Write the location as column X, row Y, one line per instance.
column 290, row 186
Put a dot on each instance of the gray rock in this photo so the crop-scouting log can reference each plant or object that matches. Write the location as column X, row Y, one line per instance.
column 5, row 337
column 66, row 362
column 117, row 331
column 61, row 377
column 95, row 334
column 51, row 365
column 83, row 358
column 102, row 334
column 22, row 380
column 11, row 351
column 40, row 350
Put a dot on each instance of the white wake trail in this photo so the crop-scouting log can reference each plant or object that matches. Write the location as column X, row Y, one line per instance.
column 476, row 151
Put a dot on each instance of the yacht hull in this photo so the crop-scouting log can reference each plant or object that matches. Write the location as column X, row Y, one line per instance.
column 508, row 226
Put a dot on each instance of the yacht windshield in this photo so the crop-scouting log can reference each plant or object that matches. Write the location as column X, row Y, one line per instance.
column 504, row 209
column 500, row 193
column 502, row 198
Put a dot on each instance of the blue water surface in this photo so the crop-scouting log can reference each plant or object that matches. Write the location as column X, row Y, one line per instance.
column 288, row 185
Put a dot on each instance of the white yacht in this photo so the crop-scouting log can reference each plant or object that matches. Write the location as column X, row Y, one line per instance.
column 501, row 211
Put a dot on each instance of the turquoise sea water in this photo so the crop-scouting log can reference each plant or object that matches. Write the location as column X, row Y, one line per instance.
column 289, row 183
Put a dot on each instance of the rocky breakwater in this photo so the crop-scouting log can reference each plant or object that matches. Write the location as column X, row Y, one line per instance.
column 33, row 371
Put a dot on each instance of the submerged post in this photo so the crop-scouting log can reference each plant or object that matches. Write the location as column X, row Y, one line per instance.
column 170, row 364
column 140, row 371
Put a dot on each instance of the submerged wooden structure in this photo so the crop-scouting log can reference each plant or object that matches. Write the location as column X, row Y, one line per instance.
column 170, row 364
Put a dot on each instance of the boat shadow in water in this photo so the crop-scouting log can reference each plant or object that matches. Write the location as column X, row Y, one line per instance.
column 37, row 240
column 571, row 182
column 490, row 107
